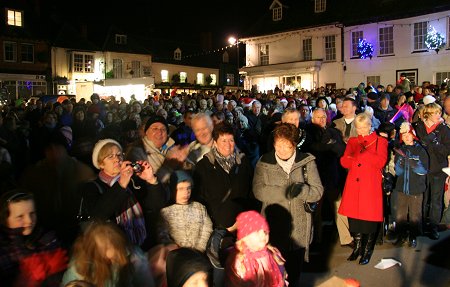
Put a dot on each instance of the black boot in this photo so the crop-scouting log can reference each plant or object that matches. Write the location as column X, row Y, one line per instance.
column 368, row 249
column 357, row 250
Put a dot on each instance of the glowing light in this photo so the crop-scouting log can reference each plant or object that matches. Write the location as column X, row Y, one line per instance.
column 434, row 40
column 365, row 49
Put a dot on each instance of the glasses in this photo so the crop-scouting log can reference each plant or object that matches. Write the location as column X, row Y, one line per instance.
column 119, row 155
column 154, row 130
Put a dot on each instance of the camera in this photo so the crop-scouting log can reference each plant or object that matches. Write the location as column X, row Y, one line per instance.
column 137, row 168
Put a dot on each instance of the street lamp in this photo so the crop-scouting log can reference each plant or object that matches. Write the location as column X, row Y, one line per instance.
column 234, row 41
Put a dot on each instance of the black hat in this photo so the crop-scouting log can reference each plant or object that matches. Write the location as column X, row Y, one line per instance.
column 386, row 127
column 182, row 263
column 156, row 119
column 373, row 96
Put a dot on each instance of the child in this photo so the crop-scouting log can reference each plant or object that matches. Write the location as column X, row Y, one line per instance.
column 253, row 262
column 411, row 167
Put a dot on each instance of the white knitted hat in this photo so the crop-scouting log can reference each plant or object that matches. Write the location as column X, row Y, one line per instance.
column 98, row 146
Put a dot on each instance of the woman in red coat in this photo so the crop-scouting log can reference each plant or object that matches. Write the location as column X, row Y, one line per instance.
column 362, row 199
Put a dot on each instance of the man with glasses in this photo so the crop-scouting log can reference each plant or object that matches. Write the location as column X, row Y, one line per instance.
column 158, row 149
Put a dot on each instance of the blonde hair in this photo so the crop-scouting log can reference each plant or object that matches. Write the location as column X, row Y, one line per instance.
column 104, row 151
column 362, row 118
column 431, row 109
column 89, row 258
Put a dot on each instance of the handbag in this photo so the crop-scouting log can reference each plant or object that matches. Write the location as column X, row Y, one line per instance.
column 310, row 207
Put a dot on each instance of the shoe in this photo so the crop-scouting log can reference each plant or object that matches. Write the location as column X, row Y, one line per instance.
column 368, row 249
column 434, row 233
column 357, row 249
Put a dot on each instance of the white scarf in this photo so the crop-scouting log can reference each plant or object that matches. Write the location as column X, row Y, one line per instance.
column 286, row 165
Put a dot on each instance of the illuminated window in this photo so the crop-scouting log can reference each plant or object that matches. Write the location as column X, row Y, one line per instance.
column 442, row 77
column 320, row 6
column 330, row 48
column 83, row 63
column 386, row 40
column 264, row 55
column 118, row 68
column 183, row 77
column 356, row 36
column 27, row 53
column 420, row 32
column 277, row 14
column 10, row 51
column 164, row 76
column 307, row 49
column 121, row 39
column 200, row 79
column 15, row 18
column 214, row 79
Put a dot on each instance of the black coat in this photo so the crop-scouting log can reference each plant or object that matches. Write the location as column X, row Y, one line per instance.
column 224, row 195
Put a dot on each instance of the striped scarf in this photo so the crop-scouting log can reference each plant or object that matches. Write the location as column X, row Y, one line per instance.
column 132, row 219
column 226, row 163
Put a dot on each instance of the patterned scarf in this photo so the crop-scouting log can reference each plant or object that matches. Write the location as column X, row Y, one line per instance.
column 226, row 163
column 132, row 219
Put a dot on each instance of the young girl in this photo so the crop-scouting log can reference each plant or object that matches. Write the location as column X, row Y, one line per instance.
column 411, row 167
column 28, row 255
column 253, row 262
column 104, row 257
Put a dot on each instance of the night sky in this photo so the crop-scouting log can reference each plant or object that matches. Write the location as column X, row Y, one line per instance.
column 183, row 20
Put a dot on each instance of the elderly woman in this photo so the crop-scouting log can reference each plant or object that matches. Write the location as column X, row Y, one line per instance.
column 134, row 204
column 284, row 180
column 362, row 199
column 223, row 179
column 29, row 256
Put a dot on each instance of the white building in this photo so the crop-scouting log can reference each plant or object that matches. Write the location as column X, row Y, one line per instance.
column 313, row 49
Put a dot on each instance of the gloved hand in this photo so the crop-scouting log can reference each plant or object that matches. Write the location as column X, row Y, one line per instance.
column 294, row 190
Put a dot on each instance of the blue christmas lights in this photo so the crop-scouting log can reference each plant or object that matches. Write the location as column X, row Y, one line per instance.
column 365, row 49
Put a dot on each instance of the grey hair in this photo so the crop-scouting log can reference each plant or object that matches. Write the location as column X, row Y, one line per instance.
column 199, row 116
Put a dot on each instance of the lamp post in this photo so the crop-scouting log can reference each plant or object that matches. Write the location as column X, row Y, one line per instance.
column 234, row 41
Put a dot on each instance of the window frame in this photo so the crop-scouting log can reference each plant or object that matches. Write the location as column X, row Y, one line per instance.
column 183, row 77
column 14, row 51
column 354, row 42
column 442, row 78
column 29, row 53
column 118, row 68
column 375, row 82
column 331, row 49
column 277, row 13
column 121, row 39
column 81, row 64
column 164, row 76
column 263, row 55
column 416, row 37
column 320, row 6
column 15, row 17
column 388, row 50
column 307, row 53
column 230, row 79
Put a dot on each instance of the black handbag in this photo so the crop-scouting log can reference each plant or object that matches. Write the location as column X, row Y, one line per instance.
column 310, row 207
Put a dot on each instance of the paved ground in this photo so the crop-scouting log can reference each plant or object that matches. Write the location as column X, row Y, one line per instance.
column 427, row 265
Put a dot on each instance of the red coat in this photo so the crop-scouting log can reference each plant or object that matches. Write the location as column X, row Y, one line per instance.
column 364, row 158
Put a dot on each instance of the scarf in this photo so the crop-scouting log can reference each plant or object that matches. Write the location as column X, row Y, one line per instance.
column 261, row 268
column 286, row 165
column 226, row 163
column 132, row 219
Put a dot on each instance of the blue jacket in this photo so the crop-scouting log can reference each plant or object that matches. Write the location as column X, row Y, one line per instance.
column 411, row 167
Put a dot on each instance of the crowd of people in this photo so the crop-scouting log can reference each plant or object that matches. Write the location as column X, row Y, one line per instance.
column 102, row 192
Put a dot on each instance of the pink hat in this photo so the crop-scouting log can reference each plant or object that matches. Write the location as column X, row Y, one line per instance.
column 249, row 222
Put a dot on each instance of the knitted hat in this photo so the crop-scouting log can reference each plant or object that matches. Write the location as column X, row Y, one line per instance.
column 179, row 176
column 428, row 99
column 249, row 222
column 97, row 148
column 156, row 119
column 406, row 127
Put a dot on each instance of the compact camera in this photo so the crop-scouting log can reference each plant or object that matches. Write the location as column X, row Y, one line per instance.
column 137, row 168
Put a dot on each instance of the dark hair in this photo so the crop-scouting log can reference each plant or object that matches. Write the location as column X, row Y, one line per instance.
column 347, row 99
column 286, row 131
column 219, row 114
column 222, row 129
column 12, row 196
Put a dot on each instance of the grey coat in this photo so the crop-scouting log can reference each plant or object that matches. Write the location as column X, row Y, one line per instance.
column 290, row 225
